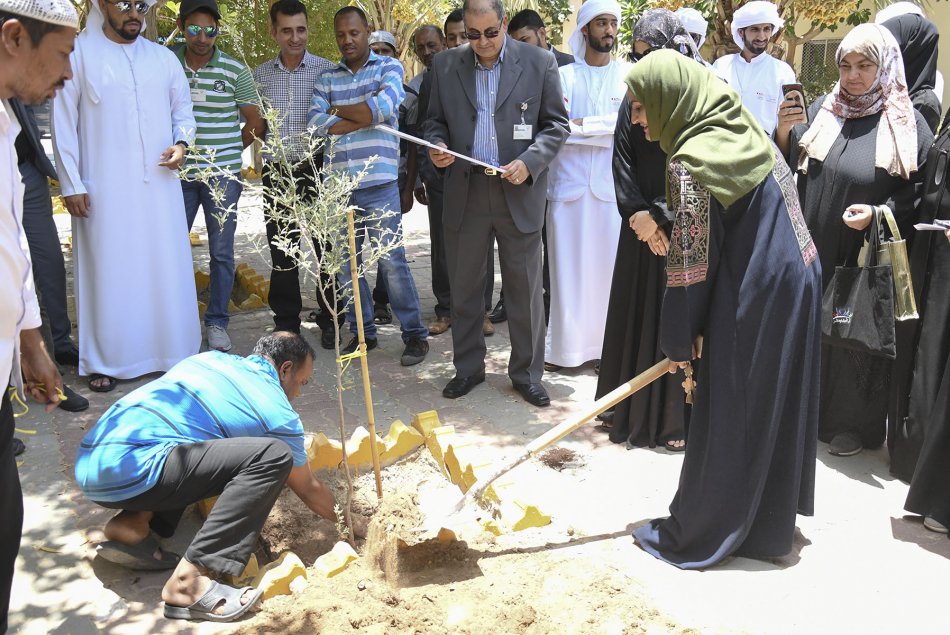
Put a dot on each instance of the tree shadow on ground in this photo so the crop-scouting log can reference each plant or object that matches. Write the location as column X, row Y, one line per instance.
column 870, row 467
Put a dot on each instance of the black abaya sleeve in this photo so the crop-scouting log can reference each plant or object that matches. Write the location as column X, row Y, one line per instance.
column 629, row 198
column 691, row 263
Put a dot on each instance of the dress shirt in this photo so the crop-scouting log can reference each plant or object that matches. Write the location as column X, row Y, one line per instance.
column 485, row 147
column 378, row 83
column 289, row 92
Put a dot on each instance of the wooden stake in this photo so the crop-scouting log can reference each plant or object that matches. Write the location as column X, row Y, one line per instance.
column 364, row 365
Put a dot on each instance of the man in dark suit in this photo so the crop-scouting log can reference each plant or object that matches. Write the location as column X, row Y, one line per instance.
column 498, row 101
column 528, row 27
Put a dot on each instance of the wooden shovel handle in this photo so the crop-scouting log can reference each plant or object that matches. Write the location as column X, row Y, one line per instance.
column 603, row 404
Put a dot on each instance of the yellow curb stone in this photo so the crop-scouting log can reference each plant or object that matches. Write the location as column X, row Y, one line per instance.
column 253, row 301
column 400, row 441
column 276, row 577
column 525, row 516
column 426, row 422
column 202, row 280
column 247, row 576
column 232, row 308
column 241, row 266
column 202, row 307
column 194, row 238
column 437, row 440
column 359, row 450
column 324, row 453
column 204, row 506
column 336, row 560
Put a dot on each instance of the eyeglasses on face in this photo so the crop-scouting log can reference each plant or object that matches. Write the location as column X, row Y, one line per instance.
column 124, row 6
column 491, row 34
column 194, row 30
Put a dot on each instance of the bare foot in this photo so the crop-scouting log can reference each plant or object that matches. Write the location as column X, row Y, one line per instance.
column 189, row 583
column 128, row 527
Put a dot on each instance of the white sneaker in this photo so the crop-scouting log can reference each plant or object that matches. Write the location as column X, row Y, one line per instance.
column 218, row 339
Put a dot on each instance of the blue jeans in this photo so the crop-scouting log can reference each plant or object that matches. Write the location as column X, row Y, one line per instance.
column 379, row 218
column 220, row 238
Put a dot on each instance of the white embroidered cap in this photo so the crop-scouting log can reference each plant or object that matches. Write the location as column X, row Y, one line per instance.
column 59, row 12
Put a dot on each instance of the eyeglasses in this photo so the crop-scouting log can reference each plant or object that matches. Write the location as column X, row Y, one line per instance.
column 124, row 6
column 491, row 34
column 194, row 30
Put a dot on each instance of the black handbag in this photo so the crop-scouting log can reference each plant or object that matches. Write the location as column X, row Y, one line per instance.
column 935, row 193
column 857, row 310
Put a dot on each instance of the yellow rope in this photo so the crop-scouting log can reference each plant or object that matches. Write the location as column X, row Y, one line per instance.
column 344, row 360
column 16, row 399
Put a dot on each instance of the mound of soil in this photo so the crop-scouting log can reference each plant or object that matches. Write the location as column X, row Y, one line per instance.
column 533, row 582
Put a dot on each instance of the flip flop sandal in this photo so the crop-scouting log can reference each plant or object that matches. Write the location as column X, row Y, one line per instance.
column 674, row 448
column 140, row 557
column 204, row 608
column 109, row 385
column 382, row 316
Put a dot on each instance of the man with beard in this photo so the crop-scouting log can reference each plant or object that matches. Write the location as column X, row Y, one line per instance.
column 365, row 89
column 222, row 90
column 121, row 129
column 36, row 37
column 528, row 27
column 757, row 76
column 582, row 222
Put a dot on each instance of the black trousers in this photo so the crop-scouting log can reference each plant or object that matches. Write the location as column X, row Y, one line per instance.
column 441, row 286
column 11, row 507
column 487, row 215
column 49, row 270
column 284, row 297
column 245, row 473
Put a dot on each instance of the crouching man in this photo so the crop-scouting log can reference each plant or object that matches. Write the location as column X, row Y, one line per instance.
column 213, row 425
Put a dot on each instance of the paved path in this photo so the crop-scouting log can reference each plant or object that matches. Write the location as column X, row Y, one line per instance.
column 860, row 565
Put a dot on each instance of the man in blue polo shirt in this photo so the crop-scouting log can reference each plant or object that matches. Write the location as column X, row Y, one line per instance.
column 213, row 425
column 362, row 90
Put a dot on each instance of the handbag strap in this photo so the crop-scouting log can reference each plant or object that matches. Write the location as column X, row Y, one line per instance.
column 885, row 211
column 874, row 239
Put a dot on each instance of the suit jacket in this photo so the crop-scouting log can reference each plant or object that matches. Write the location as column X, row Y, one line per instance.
column 563, row 59
column 31, row 131
column 528, row 76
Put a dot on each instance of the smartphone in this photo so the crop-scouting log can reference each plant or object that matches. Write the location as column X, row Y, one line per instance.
column 795, row 92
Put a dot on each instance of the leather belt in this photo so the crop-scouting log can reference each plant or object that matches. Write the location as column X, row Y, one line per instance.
column 479, row 169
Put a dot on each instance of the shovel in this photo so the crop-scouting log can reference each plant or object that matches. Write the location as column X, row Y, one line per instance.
column 551, row 437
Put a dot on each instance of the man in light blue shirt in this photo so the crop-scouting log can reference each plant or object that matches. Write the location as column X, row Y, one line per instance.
column 213, row 425
column 363, row 90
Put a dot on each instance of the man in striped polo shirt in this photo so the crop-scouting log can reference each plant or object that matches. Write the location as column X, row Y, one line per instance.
column 362, row 90
column 214, row 425
column 222, row 90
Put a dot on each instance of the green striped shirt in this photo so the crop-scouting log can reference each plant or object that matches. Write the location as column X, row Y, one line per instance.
column 218, row 89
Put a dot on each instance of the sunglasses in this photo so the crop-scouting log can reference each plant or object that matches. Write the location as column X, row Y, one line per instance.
column 124, row 6
column 491, row 34
column 194, row 30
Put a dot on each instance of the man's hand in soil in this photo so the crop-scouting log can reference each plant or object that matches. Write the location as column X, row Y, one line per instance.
column 43, row 381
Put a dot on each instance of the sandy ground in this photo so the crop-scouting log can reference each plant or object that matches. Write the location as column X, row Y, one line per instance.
column 860, row 565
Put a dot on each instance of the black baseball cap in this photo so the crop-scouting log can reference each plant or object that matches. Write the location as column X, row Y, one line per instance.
column 190, row 6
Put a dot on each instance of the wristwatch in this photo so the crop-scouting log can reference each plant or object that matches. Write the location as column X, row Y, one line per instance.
column 182, row 143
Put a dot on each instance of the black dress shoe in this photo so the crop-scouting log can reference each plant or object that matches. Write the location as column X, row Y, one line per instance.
column 18, row 447
column 498, row 314
column 68, row 357
column 534, row 394
column 461, row 386
column 74, row 402
column 371, row 343
column 328, row 338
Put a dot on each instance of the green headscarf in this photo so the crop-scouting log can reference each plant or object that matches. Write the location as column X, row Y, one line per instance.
column 699, row 120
